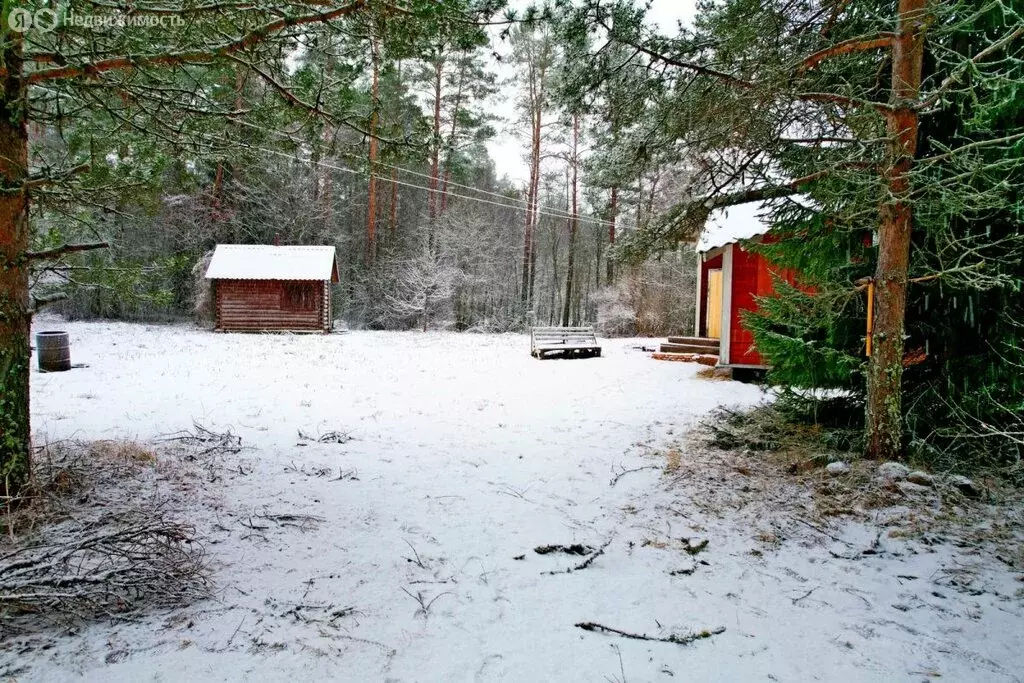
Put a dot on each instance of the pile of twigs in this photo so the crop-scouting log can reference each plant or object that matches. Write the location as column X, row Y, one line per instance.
column 201, row 442
column 97, row 534
column 114, row 565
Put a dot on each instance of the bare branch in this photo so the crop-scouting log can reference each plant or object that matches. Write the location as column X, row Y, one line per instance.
column 883, row 40
column 685, row 639
column 63, row 250
column 40, row 180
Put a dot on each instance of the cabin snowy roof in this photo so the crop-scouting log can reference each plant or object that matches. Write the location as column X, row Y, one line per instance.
column 269, row 262
column 732, row 224
column 741, row 222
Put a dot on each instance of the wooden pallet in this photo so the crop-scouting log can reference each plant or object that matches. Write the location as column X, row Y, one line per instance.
column 567, row 342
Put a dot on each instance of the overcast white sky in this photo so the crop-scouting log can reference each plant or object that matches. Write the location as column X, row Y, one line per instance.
column 508, row 148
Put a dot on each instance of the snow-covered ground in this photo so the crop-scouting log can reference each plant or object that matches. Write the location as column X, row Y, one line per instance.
column 417, row 560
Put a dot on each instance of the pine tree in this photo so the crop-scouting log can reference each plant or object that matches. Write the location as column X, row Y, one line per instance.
column 835, row 100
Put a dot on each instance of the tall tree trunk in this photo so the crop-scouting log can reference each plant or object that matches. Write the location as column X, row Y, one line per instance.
column 393, row 204
column 537, row 70
column 553, row 308
column 528, row 243
column 573, row 222
column 371, row 201
column 536, row 57
column 536, row 228
column 640, row 200
column 15, row 426
column 653, row 191
column 450, row 146
column 326, row 196
column 613, row 209
column 225, row 169
column 529, row 249
column 435, row 148
column 218, row 191
column 535, row 205
column 394, row 201
column 884, row 431
column 240, row 76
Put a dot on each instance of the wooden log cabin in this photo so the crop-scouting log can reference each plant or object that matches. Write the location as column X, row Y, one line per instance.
column 264, row 288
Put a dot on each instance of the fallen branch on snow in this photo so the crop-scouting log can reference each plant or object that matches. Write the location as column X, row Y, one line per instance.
column 805, row 595
column 821, row 531
column 574, row 549
column 302, row 522
column 336, row 436
column 425, row 604
column 585, row 563
column 624, row 472
column 418, row 562
column 676, row 638
column 695, row 546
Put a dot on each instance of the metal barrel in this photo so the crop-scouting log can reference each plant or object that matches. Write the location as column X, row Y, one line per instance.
column 54, row 350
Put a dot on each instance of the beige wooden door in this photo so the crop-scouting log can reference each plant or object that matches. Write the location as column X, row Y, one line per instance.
column 714, row 303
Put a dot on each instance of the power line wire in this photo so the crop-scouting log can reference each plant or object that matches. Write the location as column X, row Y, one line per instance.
column 544, row 210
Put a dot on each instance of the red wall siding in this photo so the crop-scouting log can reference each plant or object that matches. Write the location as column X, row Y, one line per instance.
column 256, row 305
column 751, row 277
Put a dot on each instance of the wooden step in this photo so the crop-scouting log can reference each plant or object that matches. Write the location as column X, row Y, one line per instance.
column 701, row 358
column 695, row 341
column 690, row 348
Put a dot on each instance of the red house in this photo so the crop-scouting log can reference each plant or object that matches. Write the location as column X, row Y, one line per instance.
column 729, row 279
column 261, row 288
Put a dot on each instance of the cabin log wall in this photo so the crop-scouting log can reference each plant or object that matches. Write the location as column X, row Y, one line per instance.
column 262, row 305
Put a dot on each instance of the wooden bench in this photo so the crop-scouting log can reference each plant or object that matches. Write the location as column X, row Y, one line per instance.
column 570, row 342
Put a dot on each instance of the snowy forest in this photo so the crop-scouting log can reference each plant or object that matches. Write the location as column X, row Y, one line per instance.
column 380, row 148
column 484, row 168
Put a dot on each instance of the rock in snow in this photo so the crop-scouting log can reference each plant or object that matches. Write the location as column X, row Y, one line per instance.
column 837, row 468
column 921, row 478
column 965, row 486
column 910, row 487
column 893, row 471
